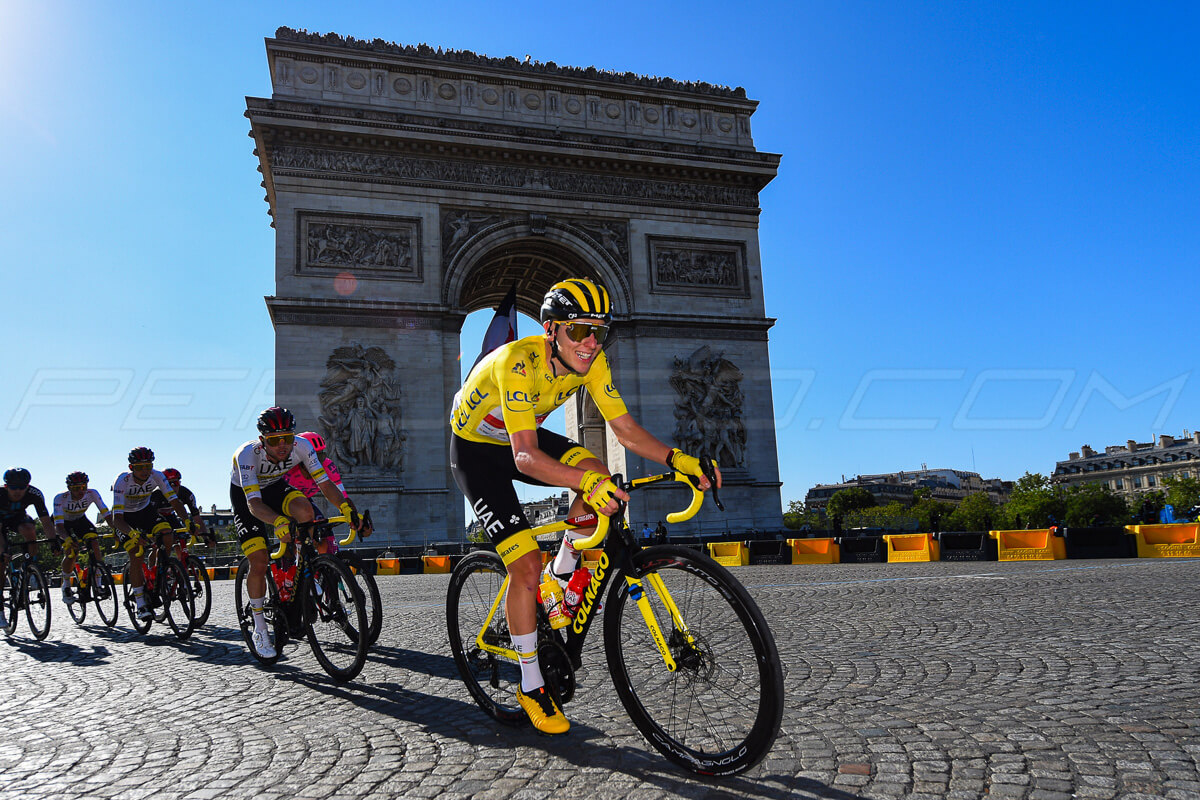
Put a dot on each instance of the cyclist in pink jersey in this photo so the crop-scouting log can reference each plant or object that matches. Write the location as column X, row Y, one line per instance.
column 299, row 479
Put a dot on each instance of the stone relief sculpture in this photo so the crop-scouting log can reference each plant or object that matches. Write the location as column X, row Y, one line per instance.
column 360, row 409
column 358, row 246
column 708, row 411
column 696, row 267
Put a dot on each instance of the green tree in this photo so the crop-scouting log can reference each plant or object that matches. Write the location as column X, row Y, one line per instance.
column 798, row 515
column 1034, row 503
column 1183, row 493
column 932, row 515
column 1093, row 504
column 976, row 512
column 850, row 499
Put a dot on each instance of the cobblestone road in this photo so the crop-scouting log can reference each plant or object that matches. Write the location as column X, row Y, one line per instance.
column 1042, row 681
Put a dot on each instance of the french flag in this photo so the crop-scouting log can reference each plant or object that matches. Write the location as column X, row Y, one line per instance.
column 503, row 328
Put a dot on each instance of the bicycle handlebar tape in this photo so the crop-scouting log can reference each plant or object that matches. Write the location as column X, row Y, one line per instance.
column 349, row 513
column 283, row 528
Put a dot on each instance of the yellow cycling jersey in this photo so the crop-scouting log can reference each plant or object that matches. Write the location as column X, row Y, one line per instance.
column 514, row 389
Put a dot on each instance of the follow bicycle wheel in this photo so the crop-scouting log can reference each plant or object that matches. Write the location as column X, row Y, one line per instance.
column 335, row 618
column 37, row 601
column 201, row 587
column 719, row 711
column 104, row 593
column 492, row 680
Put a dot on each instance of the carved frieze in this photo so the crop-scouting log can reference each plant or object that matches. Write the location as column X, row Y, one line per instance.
column 708, row 409
column 295, row 159
column 364, row 245
column 697, row 266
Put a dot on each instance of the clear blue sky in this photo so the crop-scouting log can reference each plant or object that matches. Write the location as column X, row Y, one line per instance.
column 981, row 247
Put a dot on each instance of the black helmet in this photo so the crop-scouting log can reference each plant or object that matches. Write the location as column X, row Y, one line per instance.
column 276, row 420
column 140, row 455
column 17, row 478
column 575, row 298
column 76, row 478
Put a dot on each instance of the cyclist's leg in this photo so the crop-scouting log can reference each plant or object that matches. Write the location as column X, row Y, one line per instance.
column 485, row 473
column 573, row 455
column 68, row 566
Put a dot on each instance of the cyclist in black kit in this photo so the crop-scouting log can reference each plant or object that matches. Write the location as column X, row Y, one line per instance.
column 15, row 498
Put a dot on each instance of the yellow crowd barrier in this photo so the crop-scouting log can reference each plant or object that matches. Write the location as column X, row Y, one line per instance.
column 1038, row 544
column 435, row 565
column 387, row 566
column 814, row 551
column 729, row 554
column 1176, row 540
column 907, row 547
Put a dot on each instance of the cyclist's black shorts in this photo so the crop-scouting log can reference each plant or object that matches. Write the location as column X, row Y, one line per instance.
column 485, row 474
column 253, row 533
column 80, row 527
column 11, row 525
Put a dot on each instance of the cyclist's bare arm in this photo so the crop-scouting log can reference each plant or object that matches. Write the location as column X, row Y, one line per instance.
column 531, row 461
column 633, row 436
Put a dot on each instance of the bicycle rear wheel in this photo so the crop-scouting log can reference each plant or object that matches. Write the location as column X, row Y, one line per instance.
column 718, row 713
column 177, row 598
column 104, row 593
column 335, row 618
column 77, row 609
column 201, row 588
column 11, row 592
column 491, row 679
column 37, row 601
column 374, row 605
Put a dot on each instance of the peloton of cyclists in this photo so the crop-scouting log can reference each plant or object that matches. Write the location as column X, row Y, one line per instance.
column 496, row 438
column 75, row 529
column 263, row 502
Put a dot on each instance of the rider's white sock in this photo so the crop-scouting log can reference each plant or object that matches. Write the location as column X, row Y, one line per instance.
column 568, row 557
column 531, row 674
column 256, row 609
column 138, row 596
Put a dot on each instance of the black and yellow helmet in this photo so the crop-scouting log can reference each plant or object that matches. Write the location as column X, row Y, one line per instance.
column 575, row 298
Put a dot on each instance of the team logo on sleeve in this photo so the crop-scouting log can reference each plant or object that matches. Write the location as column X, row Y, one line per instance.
column 611, row 391
column 519, row 368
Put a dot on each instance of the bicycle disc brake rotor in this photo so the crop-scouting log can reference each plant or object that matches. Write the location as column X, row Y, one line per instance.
column 693, row 658
column 557, row 670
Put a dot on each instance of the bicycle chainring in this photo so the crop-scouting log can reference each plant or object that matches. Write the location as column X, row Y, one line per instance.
column 557, row 670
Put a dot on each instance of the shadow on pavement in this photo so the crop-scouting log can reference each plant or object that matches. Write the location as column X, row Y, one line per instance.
column 61, row 652
column 436, row 666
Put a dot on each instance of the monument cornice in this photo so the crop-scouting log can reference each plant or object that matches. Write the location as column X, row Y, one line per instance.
column 421, row 56
column 355, row 313
column 694, row 327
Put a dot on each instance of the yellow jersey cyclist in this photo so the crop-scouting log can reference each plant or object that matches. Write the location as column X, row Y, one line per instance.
column 134, row 514
column 75, row 529
column 263, row 502
column 15, row 497
column 496, row 439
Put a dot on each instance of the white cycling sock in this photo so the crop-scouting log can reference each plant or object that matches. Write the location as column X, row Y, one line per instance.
column 139, row 596
column 256, row 610
column 568, row 557
column 531, row 674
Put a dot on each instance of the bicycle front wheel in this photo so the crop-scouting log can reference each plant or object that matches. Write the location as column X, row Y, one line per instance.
column 104, row 593
column 37, row 601
column 201, row 588
column 77, row 609
column 719, row 711
column 176, row 597
column 335, row 618
column 492, row 680
column 374, row 605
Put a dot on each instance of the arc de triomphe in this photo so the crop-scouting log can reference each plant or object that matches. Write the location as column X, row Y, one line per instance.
column 410, row 186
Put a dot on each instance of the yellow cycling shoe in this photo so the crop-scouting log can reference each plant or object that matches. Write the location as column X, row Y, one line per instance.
column 543, row 711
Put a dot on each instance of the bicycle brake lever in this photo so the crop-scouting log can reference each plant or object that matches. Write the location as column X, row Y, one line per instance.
column 710, row 472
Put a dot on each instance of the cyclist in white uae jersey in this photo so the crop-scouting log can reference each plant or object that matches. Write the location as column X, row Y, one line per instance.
column 134, row 514
column 73, row 527
column 262, row 500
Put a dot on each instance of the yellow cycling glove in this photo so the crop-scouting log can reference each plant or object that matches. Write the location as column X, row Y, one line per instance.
column 283, row 528
column 598, row 490
column 349, row 513
column 682, row 462
column 133, row 545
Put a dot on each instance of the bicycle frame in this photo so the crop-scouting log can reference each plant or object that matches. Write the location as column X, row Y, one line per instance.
column 616, row 556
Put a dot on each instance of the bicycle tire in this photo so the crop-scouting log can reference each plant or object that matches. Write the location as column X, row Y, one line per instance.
column 176, row 597
column 37, row 601
column 104, row 594
column 492, row 681
column 201, row 587
column 77, row 609
column 374, row 605
column 335, row 618
column 719, row 712
column 274, row 617
column 141, row 626
column 12, row 589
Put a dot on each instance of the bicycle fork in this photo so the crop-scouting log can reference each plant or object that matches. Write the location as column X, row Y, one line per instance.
column 638, row 592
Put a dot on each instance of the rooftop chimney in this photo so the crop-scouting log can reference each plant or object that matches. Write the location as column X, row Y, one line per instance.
column 1131, row 445
column 1166, row 441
